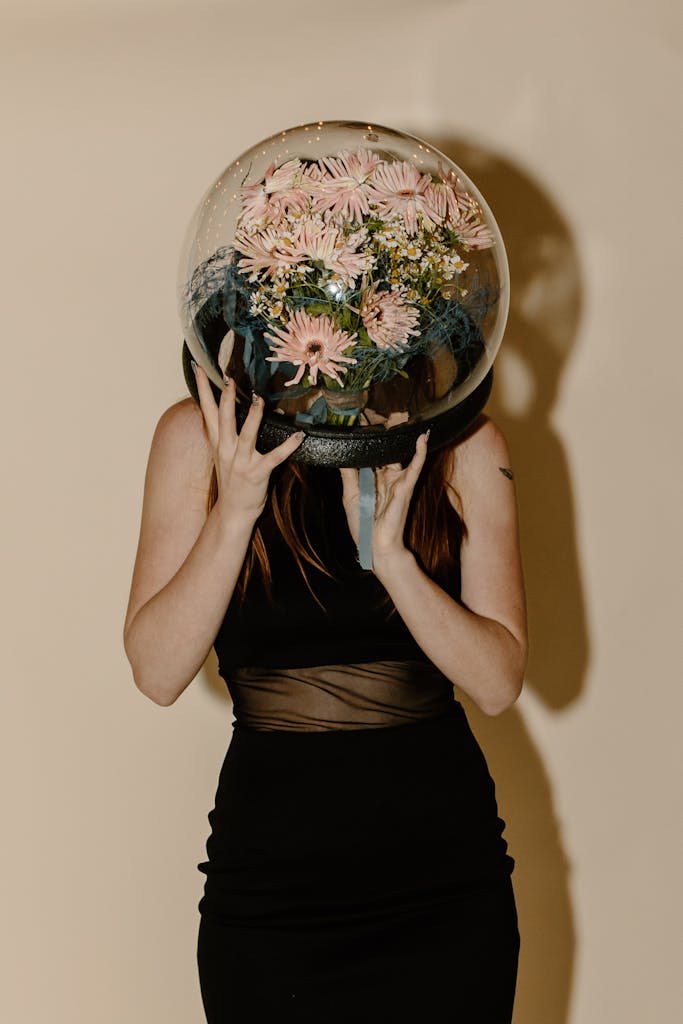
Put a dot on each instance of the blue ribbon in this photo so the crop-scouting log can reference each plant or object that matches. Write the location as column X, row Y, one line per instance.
column 366, row 515
column 317, row 413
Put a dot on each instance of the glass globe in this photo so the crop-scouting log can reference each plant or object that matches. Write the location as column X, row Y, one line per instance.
column 353, row 276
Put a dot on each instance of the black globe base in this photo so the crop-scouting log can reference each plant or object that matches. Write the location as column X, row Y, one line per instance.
column 356, row 446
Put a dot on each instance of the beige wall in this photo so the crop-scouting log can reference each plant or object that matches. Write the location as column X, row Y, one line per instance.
column 115, row 118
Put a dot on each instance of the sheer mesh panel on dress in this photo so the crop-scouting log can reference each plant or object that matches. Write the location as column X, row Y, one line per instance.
column 354, row 696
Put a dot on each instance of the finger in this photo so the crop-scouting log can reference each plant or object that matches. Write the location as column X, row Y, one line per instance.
column 350, row 485
column 250, row 427
column 417, row 462
column 277, row 455
column 207, row 403
column 226, row 412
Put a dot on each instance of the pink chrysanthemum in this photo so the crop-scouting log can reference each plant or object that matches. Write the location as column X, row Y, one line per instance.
column 313, row 342
column 389, row 321
column 268, row 251
column 471, row 231
column 266, row 202
column 328, row 246
column 399, row 191
column 462, row 212
column 441, row 202
column 343, row 188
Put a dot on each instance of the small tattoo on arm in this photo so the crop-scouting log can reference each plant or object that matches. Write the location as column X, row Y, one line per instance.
column 506, row 472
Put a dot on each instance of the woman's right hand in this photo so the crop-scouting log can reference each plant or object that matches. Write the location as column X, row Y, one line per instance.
column 242, row 471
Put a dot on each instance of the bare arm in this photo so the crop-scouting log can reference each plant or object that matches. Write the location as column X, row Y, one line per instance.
column 188, row 563
column 481, row 647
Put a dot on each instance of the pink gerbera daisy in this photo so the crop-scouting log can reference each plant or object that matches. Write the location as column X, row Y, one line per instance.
column 313, row 342
column 389, row 321
column 399, row 191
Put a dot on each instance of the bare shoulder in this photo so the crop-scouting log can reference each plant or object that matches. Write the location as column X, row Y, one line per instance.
column 483, row 445
column 181, row 426
column 180, row 447
column 481, row 468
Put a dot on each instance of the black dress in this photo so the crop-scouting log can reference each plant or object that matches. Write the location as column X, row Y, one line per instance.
column 356, row 868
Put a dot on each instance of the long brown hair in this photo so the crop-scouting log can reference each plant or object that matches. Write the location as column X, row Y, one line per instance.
column 434, row 529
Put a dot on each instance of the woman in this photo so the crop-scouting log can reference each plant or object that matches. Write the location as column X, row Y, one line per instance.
column 356, row 866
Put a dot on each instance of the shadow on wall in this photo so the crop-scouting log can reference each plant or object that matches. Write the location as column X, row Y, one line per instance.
column 544, row 316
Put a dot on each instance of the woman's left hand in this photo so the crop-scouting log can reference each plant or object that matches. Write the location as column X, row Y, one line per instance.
column 394, row 488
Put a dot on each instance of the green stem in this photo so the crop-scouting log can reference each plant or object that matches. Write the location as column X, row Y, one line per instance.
column 339, row 420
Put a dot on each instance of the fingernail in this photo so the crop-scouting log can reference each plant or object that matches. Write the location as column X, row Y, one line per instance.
column 300, row 433
column 255, row 398
column 429, row 430
column 226, row 379
column 194, row 365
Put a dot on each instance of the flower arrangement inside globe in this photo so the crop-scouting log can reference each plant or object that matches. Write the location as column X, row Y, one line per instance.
column 355, row 278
